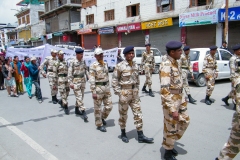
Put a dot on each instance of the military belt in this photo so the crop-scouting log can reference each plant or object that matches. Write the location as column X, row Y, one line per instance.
column 62, row 75
column 128, row 87
column 184, row 67
column 78, row 76
column 101, row 83
column 148, row 62
column 175, row 91
column 50, row 70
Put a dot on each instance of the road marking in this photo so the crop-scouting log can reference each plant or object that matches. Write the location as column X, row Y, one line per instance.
column 44, row 153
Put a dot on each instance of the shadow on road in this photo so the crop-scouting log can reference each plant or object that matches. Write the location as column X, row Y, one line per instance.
column 110, row 122
column 180, row 150
column 131, row 134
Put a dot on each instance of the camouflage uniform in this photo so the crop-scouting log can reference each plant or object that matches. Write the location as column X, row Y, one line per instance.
column 185, row 64
column 172, row 100
column 99, row 81
column 51, row 64
column 148, row 62
column 125, row 83
column 232, row 147
column 63, row 85
column 76, row 72
column 210, row 70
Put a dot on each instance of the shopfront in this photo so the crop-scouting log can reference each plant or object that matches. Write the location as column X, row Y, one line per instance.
column 109, row 39
column 89, row 38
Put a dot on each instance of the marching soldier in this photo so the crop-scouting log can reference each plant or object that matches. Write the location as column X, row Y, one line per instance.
column 186, row 66
column 176, row 119
column 125, row 83
column 210, row 71
column 51, row 62
column 232, row 147
column 148, row 63
column 63, row 85
column 99, row 85
column 76, row 71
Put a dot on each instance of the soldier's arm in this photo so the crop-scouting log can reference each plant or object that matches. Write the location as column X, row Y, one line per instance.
column 86, row 71
column 45, row 62
column 92, row 80
column 232, row 68
column 138, row 81
column 216, row 68
column 153, row 61
column 166, row 96
column 115, row 80
column 205, row 65
column 143, row 60
column 70, row 73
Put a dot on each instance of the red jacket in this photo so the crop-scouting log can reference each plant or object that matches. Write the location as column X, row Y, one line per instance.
column 25, row 70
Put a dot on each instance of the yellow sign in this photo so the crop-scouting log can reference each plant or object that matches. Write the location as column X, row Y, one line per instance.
column 157, row 23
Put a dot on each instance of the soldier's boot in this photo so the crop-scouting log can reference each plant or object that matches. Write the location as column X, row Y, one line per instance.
column 61, row 103
column 104, row 122
column 207, row 100
column 124, row 136
column 66, row 109
column 54, row 99
column 234, row 107
column 191, row 100
column 143, row 139
column 85, row 117
column 174, row 152
column 102, row 128
column 216, row 159
column 144, row 89
column 225, row 100
column 151, row 93
column 77, row 111
column 168, row 155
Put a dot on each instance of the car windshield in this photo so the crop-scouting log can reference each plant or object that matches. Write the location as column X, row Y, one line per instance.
column 194, row 55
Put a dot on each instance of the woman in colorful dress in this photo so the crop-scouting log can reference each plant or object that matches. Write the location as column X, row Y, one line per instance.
column 26, row 76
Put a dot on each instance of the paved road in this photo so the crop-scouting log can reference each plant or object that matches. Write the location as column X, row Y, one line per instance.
column 33, row 131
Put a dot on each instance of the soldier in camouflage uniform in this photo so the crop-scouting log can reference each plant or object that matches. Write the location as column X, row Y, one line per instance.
column 125, row 83
column 210, row 71
column 63, row 85
column 176, row 119
column 51, row 62
column 185, row 64
column 148, row 63
column 76, row 71
column 99, row 85
column 232, row 147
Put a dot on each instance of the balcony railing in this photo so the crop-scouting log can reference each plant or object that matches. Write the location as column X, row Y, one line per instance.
column 88, row 3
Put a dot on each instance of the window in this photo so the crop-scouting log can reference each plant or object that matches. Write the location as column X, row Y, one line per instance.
column 90, row 19
column 139, row 52
column 109, row 15
column 156, row 52
column 133, row 10
column 194, row 55
column 88, row 3
column 195, row 3
column 165, row 5
column 23, row 19
column 28, row 19
column 19, row 21
column 39, row 14
column 225, row 55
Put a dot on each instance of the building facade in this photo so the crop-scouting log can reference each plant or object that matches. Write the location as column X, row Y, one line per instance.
column 8, row 35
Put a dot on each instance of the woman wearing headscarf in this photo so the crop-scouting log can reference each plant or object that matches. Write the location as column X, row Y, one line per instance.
column 26, row 76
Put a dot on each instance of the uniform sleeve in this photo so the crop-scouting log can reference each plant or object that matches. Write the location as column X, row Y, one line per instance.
column 190, row 66
column 92, row 80
column 45, row 62
column 115, row 80
column 86, row 70
column 138, row 81
column 153, row 61
column 166, row 96
column 205, row 61
column 232, row 68
column 143, row 60
column 70, row 73
column 216, row 67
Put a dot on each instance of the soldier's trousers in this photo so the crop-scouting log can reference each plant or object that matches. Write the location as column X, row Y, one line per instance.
column 130, row 97
column 185, row 81
column 232, row 147
column 53, row 82
column 174, row 130
column 103, row 95
column 79, row 94
column 64, row 90
column 148, row 74
column 210, row 82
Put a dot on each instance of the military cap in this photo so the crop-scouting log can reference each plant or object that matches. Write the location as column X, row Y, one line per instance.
column 148, row 44
column 172, row 45
column 61, row 52
column 33, row 58
column 213, row 47
column 236, row 47
column 98, row 51
column 79, row 51
column 186, row 48
column 128, row 49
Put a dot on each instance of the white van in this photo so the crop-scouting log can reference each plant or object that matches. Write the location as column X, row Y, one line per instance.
column 138, row 57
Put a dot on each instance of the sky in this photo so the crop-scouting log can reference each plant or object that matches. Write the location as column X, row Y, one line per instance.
column 6, row 14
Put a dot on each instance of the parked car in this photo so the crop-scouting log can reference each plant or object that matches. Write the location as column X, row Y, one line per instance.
column 138, row 57
column 197, row 57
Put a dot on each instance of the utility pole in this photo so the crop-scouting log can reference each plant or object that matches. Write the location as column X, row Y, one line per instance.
column 226, row 22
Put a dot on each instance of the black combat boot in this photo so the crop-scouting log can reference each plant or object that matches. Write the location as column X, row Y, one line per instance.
column 66, row 109
column 102, row 128
column 143, row 139
column 234, row 107
column 61, row 103
column 54, row 99
column 168, row 155
column 85, row 117
column 225, row 100
column 151, row 93
column 207, row 100
column 77, row 111
column 144, row 89
column 191, row 100
column 124, row 136
column 104, row 122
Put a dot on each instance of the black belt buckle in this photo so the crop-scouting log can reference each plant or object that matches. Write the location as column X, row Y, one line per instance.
column 133, row 86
